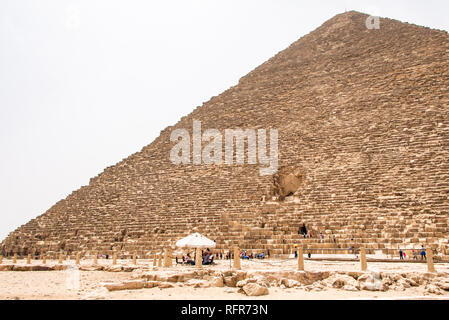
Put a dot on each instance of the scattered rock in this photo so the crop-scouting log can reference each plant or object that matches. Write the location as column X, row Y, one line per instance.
column 128, row 268
column 444, row 285
column 243, row 283
column 230, row 281
column 32, row 268
column 90, row 268
column 125, row 285
column 432, row 289
column 254, row 289
column 340, row 280
column 289, row 283
column 317, row 286
column 196, row 283
column 165, row 285
column 152, row 284
column 216, row 282
column 349, row 287
column 113, row 268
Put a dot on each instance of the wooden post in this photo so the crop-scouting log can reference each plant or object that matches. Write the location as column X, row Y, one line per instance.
column 236, row 259
column 198, row 258
column 29, row 259
column 135, row 258
column 167, row 258
column 60, row 258
column 114, row 258
column 159, row 261
column 363, row 264
column 430, row 266
column 44, row 259
column 300, row 259
column 78, row 258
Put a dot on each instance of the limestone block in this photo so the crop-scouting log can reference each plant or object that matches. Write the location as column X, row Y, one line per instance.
column 254, row 289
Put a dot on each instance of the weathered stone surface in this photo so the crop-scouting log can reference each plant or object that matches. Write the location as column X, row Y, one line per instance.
column 230, row 281
column 433, row 289
column 125, row 285
column 6, row 267
column 60, row 267
column 113, row 268
column 316, row 286
column 98, row 294
column 216, row 282
column 443, row 284
column 31, row 268
column 165, row 285
column 340, row 280
column 242, row 283
column 372, row 282
column 152, row 284
column 91, row 268
column 196, row 283
column 290, row 283
column 254, row 289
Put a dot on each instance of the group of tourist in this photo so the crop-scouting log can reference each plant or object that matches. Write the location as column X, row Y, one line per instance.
column 309, row 234
column 245, row 255
column 207, row 257
column 422, row 253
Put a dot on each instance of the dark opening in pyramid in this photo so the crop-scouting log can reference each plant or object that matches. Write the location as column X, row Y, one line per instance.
column 363, row 122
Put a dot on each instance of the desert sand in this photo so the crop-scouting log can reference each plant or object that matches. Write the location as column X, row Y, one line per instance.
column 54, row 284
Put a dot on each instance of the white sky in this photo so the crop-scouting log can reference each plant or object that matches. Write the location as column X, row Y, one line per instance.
column 84, row 84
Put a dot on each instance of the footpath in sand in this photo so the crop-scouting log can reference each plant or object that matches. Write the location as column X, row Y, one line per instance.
column 257, row 279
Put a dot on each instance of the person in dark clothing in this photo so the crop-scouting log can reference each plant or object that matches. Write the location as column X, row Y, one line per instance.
column 303, row 230
column 401, row 256
column 423, row 254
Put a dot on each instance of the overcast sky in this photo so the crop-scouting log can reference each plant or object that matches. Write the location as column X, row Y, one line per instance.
column 84, row 84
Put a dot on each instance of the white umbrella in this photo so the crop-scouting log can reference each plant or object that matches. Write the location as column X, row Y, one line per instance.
column 195, row 240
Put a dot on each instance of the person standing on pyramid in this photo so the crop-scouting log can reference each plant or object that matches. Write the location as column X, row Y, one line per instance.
column 423, row 253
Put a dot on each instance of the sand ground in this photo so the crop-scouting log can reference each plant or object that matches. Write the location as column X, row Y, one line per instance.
column 54, row 284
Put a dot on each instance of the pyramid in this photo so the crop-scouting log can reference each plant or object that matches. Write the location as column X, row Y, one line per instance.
column 363, row 124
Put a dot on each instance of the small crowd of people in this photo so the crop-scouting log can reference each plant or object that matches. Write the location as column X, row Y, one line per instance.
column 244, row 255
column 207, row 257
column 422, row 253
column 310, row 234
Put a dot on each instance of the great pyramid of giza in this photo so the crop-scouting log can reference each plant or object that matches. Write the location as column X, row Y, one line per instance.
column 363, row 122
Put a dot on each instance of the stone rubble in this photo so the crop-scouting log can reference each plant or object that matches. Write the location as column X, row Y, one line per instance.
column 258, row 283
